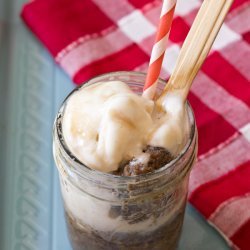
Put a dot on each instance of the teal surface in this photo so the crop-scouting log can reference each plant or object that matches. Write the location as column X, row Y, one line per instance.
column 31, row 90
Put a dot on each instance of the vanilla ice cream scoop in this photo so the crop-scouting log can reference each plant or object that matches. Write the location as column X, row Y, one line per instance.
column 107, row 123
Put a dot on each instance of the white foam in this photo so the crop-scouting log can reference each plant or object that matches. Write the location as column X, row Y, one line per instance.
column 95, row 212
column 106, row 123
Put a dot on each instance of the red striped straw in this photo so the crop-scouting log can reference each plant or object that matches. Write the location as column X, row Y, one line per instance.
column 159, row 48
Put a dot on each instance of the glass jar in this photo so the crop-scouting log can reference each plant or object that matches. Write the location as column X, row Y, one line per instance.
column 105, row 211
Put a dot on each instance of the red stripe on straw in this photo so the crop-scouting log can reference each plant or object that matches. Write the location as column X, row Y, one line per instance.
column 165, row 24
column 153, row 72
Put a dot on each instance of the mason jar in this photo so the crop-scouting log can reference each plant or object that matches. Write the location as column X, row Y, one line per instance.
column 105, row 211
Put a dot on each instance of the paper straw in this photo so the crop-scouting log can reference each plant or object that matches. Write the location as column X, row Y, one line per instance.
column 159, row 48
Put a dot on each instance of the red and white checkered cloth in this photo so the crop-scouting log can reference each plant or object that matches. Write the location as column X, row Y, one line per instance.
column 90, row 37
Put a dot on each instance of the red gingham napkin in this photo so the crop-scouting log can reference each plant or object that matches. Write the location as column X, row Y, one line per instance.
column 90, row 37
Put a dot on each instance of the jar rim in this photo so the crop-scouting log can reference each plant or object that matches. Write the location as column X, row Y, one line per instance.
column 79, row 169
